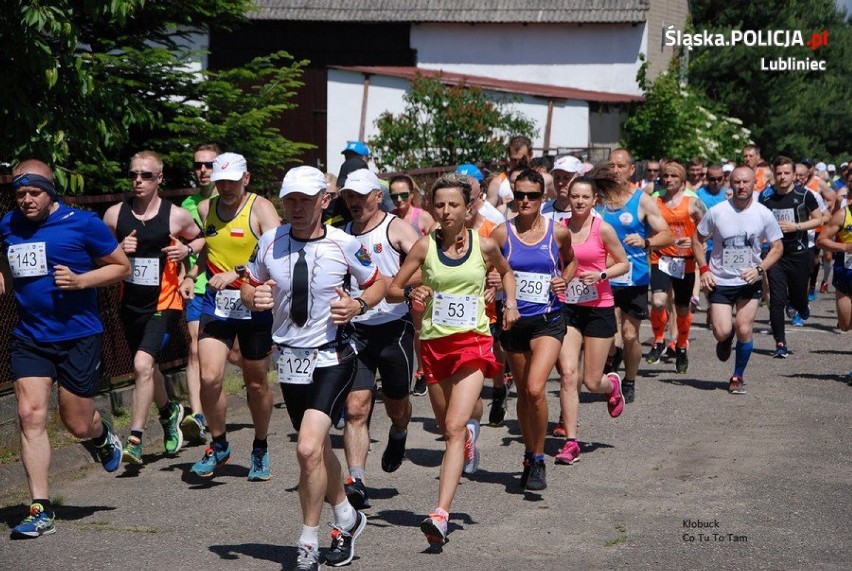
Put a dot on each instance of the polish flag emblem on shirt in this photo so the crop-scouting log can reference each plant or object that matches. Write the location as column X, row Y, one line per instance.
column 237, row 232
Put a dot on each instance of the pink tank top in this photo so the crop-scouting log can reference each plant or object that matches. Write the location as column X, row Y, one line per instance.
column 591, row 255
column 415, row 218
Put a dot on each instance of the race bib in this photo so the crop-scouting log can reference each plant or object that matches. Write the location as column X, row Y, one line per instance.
column 28, row 260
column 144, row 271
column 784, row 214
column 736, row 259
column 626, row 279
column 532, row 287
column 296, row 366
column 230, row 306
column 455, row 310
column 847, row 260
column 578, row 292
column 675, row 267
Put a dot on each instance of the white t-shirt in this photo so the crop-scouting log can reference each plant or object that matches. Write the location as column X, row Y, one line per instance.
column 549, row 210
column 737, row 235
column 822, row 208
column 505, row 190
column 329, row 259
column 387, row 259
column 490, row 212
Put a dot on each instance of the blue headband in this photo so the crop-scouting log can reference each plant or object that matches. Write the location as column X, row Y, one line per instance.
column 35, row 180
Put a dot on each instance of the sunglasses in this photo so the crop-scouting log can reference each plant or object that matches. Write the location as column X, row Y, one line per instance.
column 653, row 170
column 531, row 196
column 715, row 178
column 196, row 165
column 144, row 175
column 21, row 194
column 400, row 196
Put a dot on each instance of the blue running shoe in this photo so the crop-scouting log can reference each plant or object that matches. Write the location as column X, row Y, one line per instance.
column 109, row 453
column 781, row 351
column 791, row 312
column 38, row 523
column 797, row 321
column 812, row 295
column 213, row 456
column 259, row 471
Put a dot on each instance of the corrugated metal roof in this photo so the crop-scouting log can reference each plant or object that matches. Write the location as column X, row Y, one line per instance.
column 472, row 11
column 502, row 85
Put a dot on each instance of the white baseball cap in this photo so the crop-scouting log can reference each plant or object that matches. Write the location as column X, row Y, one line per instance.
column 727, row 167
column 362, row 181
column 229, row 166
column 568, row 164
column 832, row 168
column 821, row 166
column 306, row 180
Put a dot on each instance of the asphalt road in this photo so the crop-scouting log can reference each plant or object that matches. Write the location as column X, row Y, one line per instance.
column 768, row 476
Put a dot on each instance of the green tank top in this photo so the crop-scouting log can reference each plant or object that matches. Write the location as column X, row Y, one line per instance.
column 191, row 203
column 457, row 303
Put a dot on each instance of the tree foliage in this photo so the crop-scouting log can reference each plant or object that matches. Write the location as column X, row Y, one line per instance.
column 797, row 113
column 446, row 125
column 680, row 121
column 87, row 83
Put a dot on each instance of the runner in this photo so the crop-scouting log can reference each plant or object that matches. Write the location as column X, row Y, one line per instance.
column 797, row 211
column 383, row 337
column 564, row 170
column 734, row 275
column 674, row 266
column 589, row 304
column 56, row 256
column 539, row 252
column 455, row 340
column 156, row 236
column 299, row 271
column 233, row 220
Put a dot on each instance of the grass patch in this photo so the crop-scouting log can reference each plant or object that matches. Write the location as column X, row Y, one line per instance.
column 621, row 538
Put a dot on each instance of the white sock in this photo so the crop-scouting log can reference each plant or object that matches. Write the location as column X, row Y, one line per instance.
column 344, row 515
column 310, row 536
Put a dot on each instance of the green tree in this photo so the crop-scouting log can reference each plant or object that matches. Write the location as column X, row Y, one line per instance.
column 680, row 121
column 87, row 83
column 446, row 125
column 791, row 112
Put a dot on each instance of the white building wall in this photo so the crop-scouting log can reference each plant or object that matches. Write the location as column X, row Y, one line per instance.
column 570, row 124
column 593, row 57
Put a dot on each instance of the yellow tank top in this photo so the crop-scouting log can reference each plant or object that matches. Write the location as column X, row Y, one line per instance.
column 457, row 303
column 231, row 242
column 844, row 235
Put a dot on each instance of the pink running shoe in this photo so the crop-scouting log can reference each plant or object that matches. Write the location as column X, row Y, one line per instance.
column 569, row 454
column 434, row 527
column 615, row 403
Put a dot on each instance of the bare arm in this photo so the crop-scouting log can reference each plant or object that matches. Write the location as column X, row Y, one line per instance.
column 661, row 233
column 112, row 268
column 412, row 264
column 826, row 238
column 492, row 255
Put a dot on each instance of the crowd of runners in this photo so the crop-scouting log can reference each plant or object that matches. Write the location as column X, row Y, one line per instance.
column 377, row 289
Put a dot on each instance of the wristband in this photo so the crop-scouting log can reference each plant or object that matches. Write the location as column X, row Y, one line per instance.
column 190, row 278
column 704, row 269
column 364, row 306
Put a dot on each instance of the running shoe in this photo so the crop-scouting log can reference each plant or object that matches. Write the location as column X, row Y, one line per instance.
column 356, row 493
column 172, row 434
column 569, row 454
column 797, row 321
column 537, row 480
column 508, row 380
column 613, row 362
column 615, row 402
column 525, row 474
column 435, row 528
column 695, row 304
column 259, row 471
column 419, row 385
column 811, row 295
column 109, row 453
column 823, row 287
column 681, row 361
column 37, row 523
column 471, row 452
column 394, row 451
column 791, row 312
column 307, row 559
column 806, row 314
column 341, row 420
column 723, row 348
column 671, row 350
column 132, row 453
column 559, row 430
column 342, row 548
column 653, row 356
column 781, row 351
column 628, row 389
column 214, row 456
column 194, row 427
column 497, row 415
column 736, row 386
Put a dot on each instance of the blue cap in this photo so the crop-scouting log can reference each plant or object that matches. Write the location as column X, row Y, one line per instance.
column 470, row 170
column 358, row 147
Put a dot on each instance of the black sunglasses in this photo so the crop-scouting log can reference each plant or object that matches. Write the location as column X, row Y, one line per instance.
column 715, row 178
column 531, row 196
column 144, row 175
column 400, row 196
column 196, row 165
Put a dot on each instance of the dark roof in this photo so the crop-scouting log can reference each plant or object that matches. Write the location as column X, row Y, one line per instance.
column 502, row 85
column 472, row 11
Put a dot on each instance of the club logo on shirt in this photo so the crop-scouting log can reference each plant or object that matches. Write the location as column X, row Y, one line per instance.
column 211, row 231
column 363, row 256
column 377, row 248
column 625, row 218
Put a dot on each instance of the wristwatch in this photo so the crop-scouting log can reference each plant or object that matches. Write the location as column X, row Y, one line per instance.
column 406, row 292
column 760, row 270
column 241, row 271
column 363, row 303
column 603, row 276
